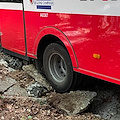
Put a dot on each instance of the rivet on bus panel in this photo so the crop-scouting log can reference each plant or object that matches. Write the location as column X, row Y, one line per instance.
column 96, row 56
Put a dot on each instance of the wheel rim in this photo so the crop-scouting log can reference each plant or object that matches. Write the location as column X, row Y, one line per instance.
column 57, row 67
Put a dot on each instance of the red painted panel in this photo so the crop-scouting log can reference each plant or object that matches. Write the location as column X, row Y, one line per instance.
column 12, row 28
column 83, row 36
column 101, row 35
column 88, row 34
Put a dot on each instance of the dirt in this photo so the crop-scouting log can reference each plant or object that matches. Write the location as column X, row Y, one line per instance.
column 26, row 109
column 22, row 77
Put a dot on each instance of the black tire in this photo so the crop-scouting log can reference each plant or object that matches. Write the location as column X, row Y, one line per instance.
column 39, row 66
column 58, row 67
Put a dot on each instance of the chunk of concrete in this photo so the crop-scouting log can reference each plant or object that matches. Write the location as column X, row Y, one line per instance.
column 30, row 69
column 3, row 62
column 72, row 103
column 16, row 90
column 36, row 90
column 4, row 66
column 6, row 83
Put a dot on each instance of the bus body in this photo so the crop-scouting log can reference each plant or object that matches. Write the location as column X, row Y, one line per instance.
column 88, row 30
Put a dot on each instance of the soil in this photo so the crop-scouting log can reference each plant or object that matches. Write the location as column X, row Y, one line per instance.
column 27, row 109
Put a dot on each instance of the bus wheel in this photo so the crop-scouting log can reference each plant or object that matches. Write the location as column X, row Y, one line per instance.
column 58, row 67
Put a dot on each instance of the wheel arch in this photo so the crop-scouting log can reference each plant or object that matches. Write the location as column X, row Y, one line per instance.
column 53, row 35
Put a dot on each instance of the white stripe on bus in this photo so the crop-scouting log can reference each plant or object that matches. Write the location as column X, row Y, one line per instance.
column 11, row 6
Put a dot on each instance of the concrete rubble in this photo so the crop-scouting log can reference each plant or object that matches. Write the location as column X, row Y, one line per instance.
column 30, row 69
column 16, row 90
column 72, row 103
column 36, row 90
column 11, row 85
column 6, row 83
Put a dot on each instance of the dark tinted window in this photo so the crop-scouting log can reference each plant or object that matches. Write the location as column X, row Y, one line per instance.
column 16, row 1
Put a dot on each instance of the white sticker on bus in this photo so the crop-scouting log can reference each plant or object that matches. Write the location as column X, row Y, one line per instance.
column 44, row 4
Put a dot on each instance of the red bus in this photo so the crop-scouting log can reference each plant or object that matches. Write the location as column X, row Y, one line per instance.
column 65, row 37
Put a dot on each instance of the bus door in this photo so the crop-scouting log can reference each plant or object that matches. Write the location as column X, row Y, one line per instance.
column 12, row 26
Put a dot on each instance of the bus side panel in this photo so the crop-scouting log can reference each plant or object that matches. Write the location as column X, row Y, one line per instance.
column 43, row 26
column 93, row 29
column 96, row 42
column 88, row 34
column 12, row 28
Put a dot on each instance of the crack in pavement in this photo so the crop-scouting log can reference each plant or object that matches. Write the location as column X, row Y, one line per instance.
column 2, row 92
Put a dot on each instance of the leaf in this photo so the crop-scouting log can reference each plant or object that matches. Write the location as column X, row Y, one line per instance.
column 29, row 117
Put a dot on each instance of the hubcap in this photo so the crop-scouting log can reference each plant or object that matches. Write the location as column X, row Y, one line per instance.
column 57, row 67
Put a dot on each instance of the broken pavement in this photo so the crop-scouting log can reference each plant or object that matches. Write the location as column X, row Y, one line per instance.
column 17, row 84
